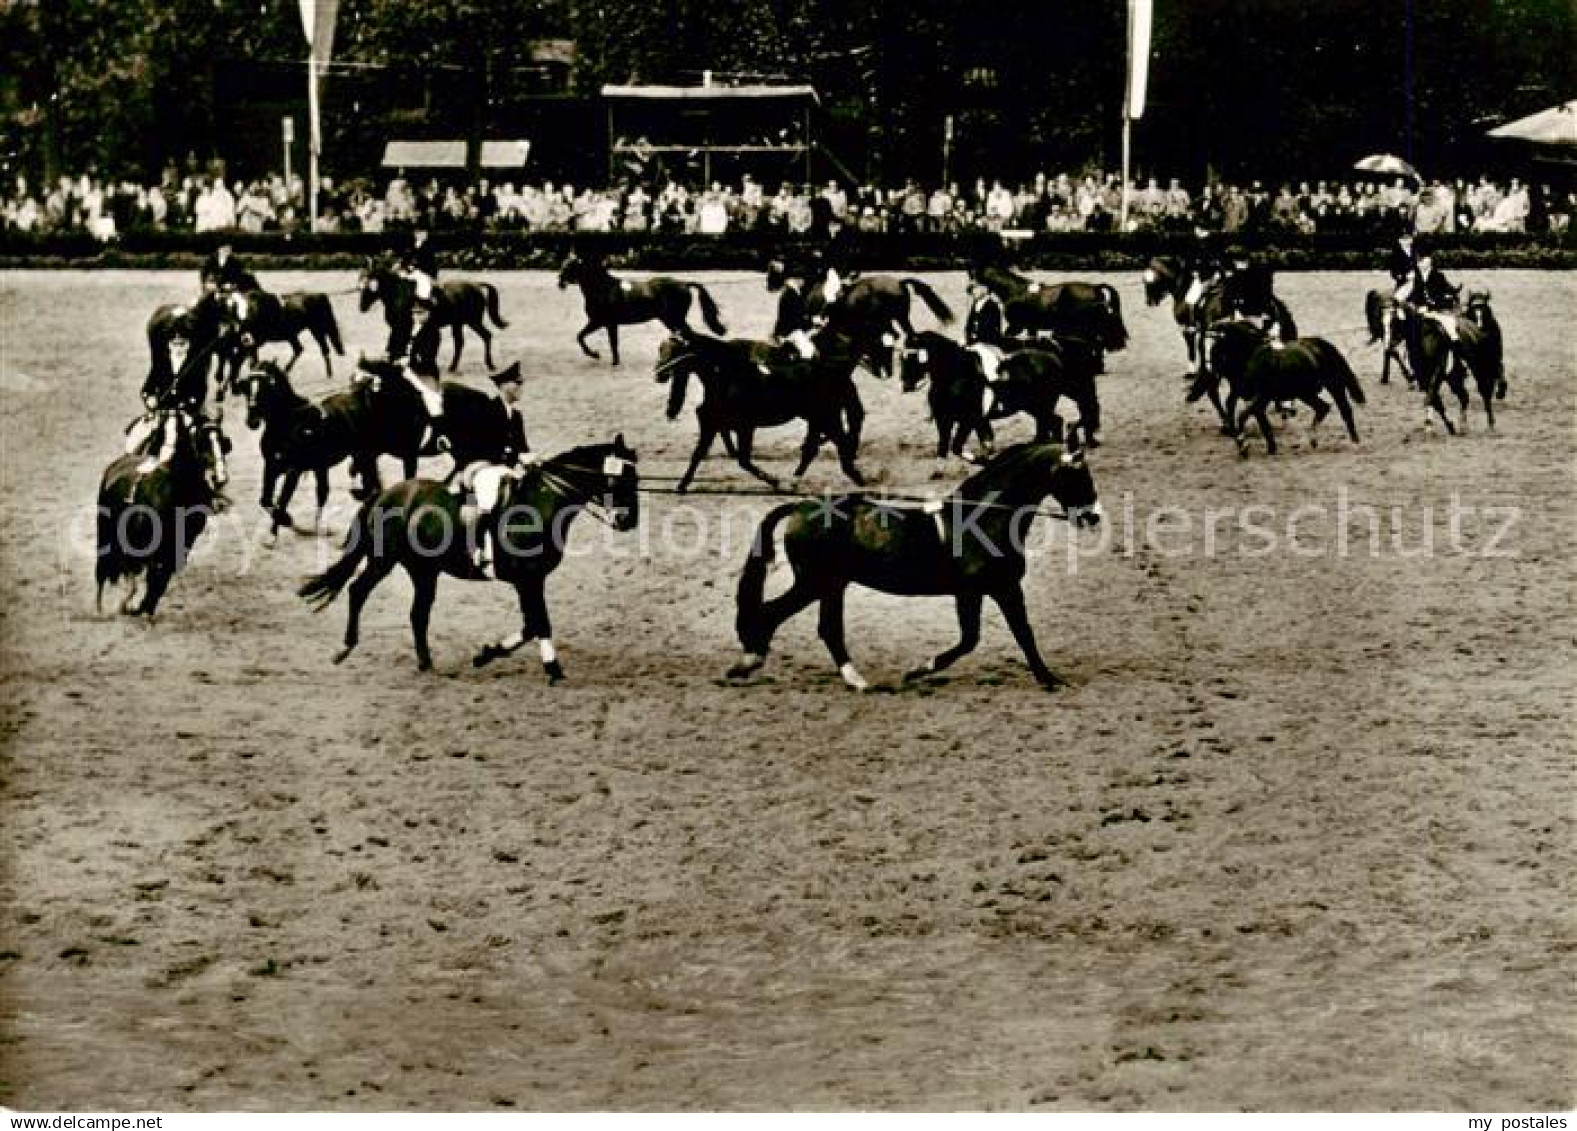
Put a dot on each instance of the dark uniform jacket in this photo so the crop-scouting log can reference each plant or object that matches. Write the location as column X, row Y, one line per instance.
column 984, row 324
column 422, row 258
column 230, row 274
column 793, row 310
column 1400, row 263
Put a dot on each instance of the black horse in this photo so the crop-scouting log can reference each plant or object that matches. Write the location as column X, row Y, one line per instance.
column 612, row 302
column 971, row 546
column 269, row 317
column 1261, row 370
column 1034, row 379
column 1482, row 315
column 1164, row 276
column 872, row 311
column 153, row 505
column 1386, row 328
column 744, row 390
column 418, row 524
column 459, row 306
column 956, row 392
column 1092, row 311
column 1437, row 359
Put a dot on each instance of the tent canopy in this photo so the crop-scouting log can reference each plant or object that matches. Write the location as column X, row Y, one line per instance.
column 452, row 154
column 688, row 93
column 1556, row 125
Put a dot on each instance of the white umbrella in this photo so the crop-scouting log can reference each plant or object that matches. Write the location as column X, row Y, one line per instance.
column 1387, row 165
column 1556, row 125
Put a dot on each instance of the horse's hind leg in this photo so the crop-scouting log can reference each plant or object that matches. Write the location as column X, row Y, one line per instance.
column 703, row 445
column 507, row 645
column 1321, row 411
column 613, row 342
column 829, row 626
column 157, row 581
column 459, row 346
column 756, row 631
column 361, row 587
column 969, row 627
column 487, row 341
column 1011, row 601
column 744, row 457
column 425, row 586
column 1344, row 406
column 580, row 339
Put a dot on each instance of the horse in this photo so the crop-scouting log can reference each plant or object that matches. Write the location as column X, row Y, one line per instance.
column 612, row 302
column 956, row 392
column 1261, row 369
column 1437, row 360
column 1032, row 380
column 459, row 306
column 970, row 545
column 872, row 311
column 1092, row 311
column 1164, row 276
column 1386, row 326
column 1480, row 314
column 744, row 392
column 153, row 505
column 284, row 318
column 418, row 524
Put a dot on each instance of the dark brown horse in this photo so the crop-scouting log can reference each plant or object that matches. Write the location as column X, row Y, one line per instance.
column 1165, row 277
column 459, row 306
column 872, row 311
column 153, row 504
column 1262, row 370
column 1092, row 311
column 970, row 545
column 284, row 318
column 612, row 302
column 744, row 390
column 419, row 526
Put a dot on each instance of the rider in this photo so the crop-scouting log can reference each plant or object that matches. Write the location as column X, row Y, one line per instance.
column 1401, row 261
column 1437, row 295
column 486, row 480
column 1202, row 266
column 1248, row 288
column 186, row 394
column 420, row 369
column 793, row 325
column 419, row 263
column 223, row 271
column 985, row 335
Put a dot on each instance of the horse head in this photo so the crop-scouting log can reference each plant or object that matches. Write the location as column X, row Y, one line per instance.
column 603, row 479
column 915, row 356
column 571, row 271
column 1072, row 485
column 259, row 386
column 1161, row 276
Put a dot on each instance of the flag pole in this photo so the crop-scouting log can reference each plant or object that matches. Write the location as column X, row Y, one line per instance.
column 314, row 140
column 1122, row 219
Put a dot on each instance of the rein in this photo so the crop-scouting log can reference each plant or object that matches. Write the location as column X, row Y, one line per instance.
column 613, row 465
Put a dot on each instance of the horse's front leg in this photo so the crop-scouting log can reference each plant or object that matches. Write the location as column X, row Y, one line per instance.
column 322, row 475
column 703, row 445
column 969, row 604
column 613, row 341
column 295, row 353
column 524, row 634
column 589, row 328
column 270, row 476
column 1011, row 601
column 280, row 511
column 829, row 626
column 425, row 589
column 487, row 343
column 534, row 598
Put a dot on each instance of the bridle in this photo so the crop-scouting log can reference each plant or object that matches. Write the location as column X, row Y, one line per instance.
column 613, row 467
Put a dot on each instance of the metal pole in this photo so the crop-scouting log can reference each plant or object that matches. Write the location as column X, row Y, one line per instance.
column 288, row 129
column 1122, row 224
column 314, row 142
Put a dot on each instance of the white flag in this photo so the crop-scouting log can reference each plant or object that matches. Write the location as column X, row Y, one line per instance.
column 1139, row 12
column 317, row 21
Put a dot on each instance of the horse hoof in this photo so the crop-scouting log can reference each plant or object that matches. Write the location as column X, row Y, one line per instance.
column 745, row 666
column 486, row 656
column 554, row 672
column 342, row 655
column 919, row 673
column 424, row 665
column 1050, row 683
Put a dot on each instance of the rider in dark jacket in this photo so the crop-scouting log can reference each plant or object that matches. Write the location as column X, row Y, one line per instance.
column 223, row 271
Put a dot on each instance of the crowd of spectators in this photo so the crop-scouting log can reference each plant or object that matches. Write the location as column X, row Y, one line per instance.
column 206, row 200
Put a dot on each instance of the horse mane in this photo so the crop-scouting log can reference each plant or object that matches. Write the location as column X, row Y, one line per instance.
column 1009, row 461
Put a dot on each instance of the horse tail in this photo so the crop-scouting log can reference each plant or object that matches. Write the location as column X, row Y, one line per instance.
column 323, row 310
column 319, row 591
column 1374, row 314
column 932, row 300
column 709, row 312
column 1116, row 333
column 1342, row 370
column 492, row 305
column 110, row 565
column 753, row 581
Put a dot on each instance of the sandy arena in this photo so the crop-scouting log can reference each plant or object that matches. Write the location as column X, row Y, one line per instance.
column 1298, row 836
